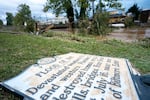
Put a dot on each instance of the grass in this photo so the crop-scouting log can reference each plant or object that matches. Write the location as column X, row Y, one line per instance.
column 18, row 51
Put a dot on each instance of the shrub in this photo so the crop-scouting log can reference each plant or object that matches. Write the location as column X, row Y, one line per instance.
column 30, row 26
column 145, row 42
column 1, row 22
column 83, row 26
column 129, row 22
column 48, row 34
column 99, row 24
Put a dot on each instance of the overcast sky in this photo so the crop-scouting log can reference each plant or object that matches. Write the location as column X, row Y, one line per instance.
column 36, row 7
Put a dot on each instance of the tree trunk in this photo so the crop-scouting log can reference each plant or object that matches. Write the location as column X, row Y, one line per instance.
column 82, row 11
column 70, row 16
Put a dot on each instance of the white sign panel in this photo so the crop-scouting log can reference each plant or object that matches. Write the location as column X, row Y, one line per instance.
column 75, row 76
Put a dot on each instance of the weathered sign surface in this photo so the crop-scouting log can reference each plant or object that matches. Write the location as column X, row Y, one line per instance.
column 75, row 76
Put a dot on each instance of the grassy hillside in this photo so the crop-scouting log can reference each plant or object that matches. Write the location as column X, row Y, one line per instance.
column 18, row 51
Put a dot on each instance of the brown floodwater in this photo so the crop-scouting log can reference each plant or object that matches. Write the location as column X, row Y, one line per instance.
column 123, row 34
column 129, row 35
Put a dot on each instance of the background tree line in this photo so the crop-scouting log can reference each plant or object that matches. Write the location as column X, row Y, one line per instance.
column 90, row 16
column 79, row 10
column 22, row 19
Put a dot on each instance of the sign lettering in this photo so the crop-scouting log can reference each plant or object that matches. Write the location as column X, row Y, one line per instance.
column 75, row 76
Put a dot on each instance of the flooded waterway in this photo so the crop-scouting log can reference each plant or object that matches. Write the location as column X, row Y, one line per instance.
column 129, row 35
column 122, row 34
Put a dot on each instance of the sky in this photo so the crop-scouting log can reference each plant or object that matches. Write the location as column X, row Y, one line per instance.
column 36, row 7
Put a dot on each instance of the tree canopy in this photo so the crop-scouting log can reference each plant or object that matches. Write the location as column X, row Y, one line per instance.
column 23, row 15
column 135, row 11
column 1, row 22
column 9, row 18
column 83, row 5
column 70, row 7
column 79, row 8
column 61, row 6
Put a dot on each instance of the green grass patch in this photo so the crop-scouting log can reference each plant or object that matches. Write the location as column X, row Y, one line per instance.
column 19, row 51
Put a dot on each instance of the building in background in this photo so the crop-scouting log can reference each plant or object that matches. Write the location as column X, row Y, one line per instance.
column 116, row 17
column 145, row 16
column 56, row 20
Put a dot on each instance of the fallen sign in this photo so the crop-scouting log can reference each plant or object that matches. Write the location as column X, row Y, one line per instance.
column 76, row 76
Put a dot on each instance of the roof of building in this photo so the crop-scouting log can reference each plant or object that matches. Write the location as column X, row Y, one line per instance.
column 117, row 15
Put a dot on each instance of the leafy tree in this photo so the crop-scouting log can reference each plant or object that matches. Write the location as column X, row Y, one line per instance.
column 129, row 22
column 1, row 22
column 102, row 5
column 23, row 15
column 61, row 6
column 135, row 11
column 100, row 21
column 99, row 24
column 30, row 25
column 106, row 4
column 70, row 8
column 83, row 4
column 9, row 18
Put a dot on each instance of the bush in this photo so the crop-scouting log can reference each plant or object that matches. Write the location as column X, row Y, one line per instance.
column 48, row 34
column 145, row 42
column 129, row 22
column 30, row 26
column 99, row 24
column 1, row 22
column 83, row 26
